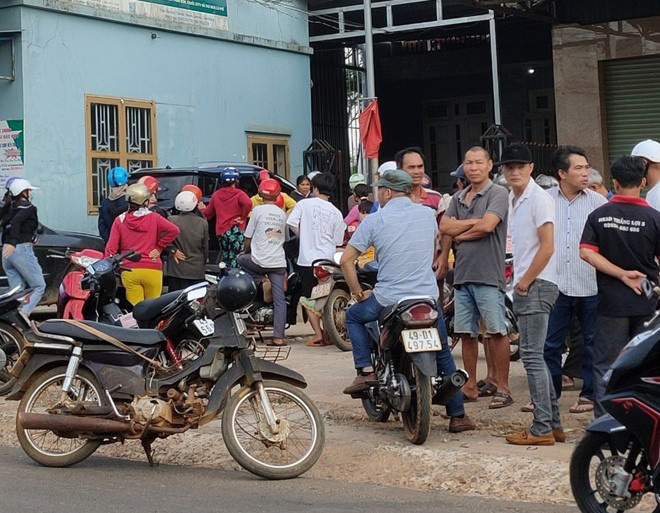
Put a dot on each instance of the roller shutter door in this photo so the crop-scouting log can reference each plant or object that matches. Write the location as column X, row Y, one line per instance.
column 632, row 103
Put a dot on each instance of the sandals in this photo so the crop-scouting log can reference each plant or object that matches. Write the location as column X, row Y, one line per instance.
column 568, row 384
column 583, row 405
column 270, row 343
column 488, row 390
column 316, row 343
column 468, row 399
column 500, row 400
column 528, row 408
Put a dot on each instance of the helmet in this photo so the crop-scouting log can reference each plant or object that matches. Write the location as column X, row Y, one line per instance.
column 138, row 194
column 195, row 190
column 10, row 180
column 355, row 179
column 185, row 201
column 648, row 149
column 236, row 291
column 269, row 189
column 264, row 174
column 19, row 185
column 390, row 165
column 151, row 183
column 229, row 175
column 117, row 177
column 546, row 181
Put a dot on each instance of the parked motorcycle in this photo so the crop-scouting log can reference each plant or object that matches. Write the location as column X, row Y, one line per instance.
column 511, row 319
column 89, row 290
column 404, row 341
column 12, row 325
column 333, row 297
column 84, row 384
column 618, row 460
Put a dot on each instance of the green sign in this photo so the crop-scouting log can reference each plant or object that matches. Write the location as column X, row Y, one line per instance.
column 217, row 7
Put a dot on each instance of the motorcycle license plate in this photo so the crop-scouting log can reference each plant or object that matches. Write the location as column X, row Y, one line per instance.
column 205, row 326
column 419, row 340
column 322, row 290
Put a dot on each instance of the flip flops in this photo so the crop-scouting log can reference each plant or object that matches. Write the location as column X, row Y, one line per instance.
column 500, row 400
column 488, row 390
column 583, row 405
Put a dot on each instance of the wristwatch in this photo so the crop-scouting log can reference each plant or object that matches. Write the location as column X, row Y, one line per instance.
column 357, row 296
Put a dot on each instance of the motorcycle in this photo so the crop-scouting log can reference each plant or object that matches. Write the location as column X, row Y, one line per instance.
column 80, row 388
column 511, row 319
column 618, row 460
column 72, row 297
column 332, row 296
column 404, row 341
column 12, row 325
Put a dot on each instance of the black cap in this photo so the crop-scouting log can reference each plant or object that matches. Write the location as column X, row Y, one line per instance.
column 459, row 172
column 515, row 152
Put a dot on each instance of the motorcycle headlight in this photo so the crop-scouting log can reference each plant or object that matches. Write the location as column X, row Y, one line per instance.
column 84, row 261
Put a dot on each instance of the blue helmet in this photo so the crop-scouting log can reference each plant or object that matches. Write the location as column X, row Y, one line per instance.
column 229, row 175
column 117, row 177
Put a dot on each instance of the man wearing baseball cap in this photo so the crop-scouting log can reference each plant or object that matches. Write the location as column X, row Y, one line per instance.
column 532, row 221
column 404, row 234
column 649, row 151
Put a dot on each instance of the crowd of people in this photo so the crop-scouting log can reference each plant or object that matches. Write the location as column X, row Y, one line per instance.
column 580, row 254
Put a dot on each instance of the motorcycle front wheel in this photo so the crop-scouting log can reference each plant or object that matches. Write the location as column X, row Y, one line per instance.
column 417, row 418
column 249, row 439
column 594, row 466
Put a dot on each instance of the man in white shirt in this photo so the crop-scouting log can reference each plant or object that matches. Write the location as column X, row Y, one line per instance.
column 532, row 218
column 649, row 150
column 578, row 290
column 320, row 227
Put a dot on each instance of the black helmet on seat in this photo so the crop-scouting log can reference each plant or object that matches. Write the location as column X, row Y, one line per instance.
column 236, row 291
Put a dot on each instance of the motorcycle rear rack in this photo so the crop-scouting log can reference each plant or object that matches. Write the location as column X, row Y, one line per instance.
column 272, row 353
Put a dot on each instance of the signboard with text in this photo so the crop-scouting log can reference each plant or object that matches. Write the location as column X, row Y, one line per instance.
column 12, row 156
column 209, row 14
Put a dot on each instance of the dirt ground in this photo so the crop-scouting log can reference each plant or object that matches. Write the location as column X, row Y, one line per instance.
column 473, row 463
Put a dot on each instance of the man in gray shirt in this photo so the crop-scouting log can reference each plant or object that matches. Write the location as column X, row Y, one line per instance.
column 403, row 234
column 477, row 222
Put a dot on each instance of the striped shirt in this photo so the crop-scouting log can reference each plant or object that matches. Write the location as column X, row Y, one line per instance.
column 403, row 234
column 576, row 277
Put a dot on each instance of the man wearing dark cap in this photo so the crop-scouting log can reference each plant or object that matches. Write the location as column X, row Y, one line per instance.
column 461, row 180
column 404, row 235
column 532, row 220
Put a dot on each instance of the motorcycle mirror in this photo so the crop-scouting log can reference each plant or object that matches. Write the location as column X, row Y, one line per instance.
column 134, row 257
column 337, row 257
column 196, row 294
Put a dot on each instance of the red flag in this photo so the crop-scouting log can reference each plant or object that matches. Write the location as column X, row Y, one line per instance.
column 370, row 133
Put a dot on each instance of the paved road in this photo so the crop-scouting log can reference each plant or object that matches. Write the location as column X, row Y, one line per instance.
column 101, row 485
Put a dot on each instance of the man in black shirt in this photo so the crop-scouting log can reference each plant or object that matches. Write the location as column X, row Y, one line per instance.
column 621, row 240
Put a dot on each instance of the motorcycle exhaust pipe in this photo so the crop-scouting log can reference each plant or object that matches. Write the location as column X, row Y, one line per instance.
column 70, row 423
column 450, row 385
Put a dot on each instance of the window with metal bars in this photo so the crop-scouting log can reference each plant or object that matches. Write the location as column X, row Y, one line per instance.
column 119, row 132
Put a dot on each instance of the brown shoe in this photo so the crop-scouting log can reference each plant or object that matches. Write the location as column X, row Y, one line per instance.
column 361, row 383
column 527, row 438
column 559, row 435
column 458, row 425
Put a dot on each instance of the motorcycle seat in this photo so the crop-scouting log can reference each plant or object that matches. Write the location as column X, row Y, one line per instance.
column 151, row 308
column 387, row 312
column 128, row 336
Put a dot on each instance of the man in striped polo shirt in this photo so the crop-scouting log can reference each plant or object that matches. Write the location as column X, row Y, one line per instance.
column 578, row 291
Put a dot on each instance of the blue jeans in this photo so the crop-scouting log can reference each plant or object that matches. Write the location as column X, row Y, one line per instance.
column 476, row 301
column 22, row 268
column 558, row 325
column 364, row 312
column 533, row 311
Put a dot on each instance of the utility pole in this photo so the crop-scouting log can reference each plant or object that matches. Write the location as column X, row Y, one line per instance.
column 371, row 81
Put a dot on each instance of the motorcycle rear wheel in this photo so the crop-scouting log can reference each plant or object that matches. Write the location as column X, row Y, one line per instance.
column 11, row 343
column 243, row 424
column 417, row 418
column 334, row 319
column 46, row 447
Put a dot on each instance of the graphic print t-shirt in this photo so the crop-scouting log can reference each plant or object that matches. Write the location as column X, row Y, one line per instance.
column 321, row 227
column 267, row 229
column 626, row 231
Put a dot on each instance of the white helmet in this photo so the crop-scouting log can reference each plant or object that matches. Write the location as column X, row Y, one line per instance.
column 390, row 165
column 185, row 201
column 648, row 149
column 19, row 185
